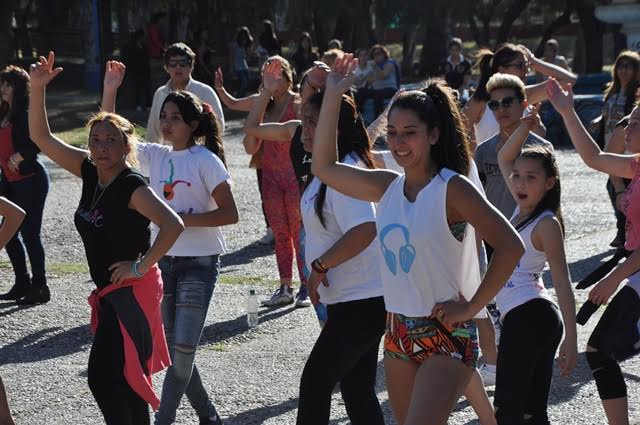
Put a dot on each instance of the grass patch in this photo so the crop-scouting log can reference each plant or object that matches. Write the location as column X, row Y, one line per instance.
column 246, row 280
column 57, row 268
column 78, row 136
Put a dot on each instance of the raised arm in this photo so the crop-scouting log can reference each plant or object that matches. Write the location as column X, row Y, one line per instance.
column 368, row 185
column 12, row 218
column 241, row 104
column 268, row 131
column 113, row 77
column 66, row 156
column 610, row 163
column 616, row 145
column 511, row 149
column 536, row 92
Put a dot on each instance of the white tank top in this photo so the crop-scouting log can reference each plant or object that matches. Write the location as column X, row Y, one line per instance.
column 525, row 284
column 422, row 262
column 487, row 127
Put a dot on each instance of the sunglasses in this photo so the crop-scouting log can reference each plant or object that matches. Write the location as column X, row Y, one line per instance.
column 626, row 65
column 505, row 103
column 517, row 65
column 184, row 63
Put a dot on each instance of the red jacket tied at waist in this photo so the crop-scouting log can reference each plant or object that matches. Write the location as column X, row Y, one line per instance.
column 145, row 345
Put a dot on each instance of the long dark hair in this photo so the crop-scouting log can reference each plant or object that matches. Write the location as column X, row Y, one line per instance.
column 17, row 112
column 243, row 38
column 488, row 63
column 437, row 107
column 352, row 138
column 208, row 131
column 614, row 87
column 300, row 49
column 551, row 199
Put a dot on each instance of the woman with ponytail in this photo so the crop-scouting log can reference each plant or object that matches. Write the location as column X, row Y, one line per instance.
column 190, row 175
column 530, row 320
column 425, row 222
column 508, row 59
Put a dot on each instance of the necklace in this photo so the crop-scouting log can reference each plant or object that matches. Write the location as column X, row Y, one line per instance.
column 94, row 201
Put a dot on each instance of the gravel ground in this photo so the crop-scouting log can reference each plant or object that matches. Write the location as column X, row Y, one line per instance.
column 252, row 375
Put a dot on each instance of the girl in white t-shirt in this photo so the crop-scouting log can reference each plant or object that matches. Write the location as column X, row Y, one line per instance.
column 429, row 264
column 531, row 324
column 189, row 175
column 342, row 253
column 192, row 178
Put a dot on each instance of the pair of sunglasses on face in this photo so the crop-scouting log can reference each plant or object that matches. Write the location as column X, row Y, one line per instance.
column 504, row 103
column 184, row 63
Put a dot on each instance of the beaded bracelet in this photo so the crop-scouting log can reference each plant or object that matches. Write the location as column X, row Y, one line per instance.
column 135, row 269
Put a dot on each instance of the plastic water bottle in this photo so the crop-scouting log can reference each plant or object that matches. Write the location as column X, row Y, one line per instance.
column 252, row 309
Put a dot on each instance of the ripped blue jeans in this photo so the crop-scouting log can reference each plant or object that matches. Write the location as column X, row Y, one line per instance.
column 188, row 287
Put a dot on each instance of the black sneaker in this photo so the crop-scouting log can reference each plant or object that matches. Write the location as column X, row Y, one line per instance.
column 213, row 420
column 36, row 296
column 19, row 289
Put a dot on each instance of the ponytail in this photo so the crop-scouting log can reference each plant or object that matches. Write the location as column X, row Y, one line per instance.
column 209, row 130
column 484, row 61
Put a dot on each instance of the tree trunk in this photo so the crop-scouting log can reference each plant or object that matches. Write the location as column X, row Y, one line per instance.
column 555, row 25
column 512, row 13
column 320, row 26
column 123, row 24
column 592, row 29
column 434, row 44
column 408, row 50
column 7, row 48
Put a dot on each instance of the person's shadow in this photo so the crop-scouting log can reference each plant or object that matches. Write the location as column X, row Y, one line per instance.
column 46, row 344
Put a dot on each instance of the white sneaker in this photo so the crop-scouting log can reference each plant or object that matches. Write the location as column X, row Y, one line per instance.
column 282, row 296
column 268, row 238
column 302, row 297
column 488, row 375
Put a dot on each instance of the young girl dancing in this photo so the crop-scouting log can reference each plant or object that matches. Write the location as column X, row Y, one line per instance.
column 430, row 273
column 191, row 177
column 531, row 324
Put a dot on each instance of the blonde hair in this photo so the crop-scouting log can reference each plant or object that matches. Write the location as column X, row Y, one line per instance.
column 506, row 81
column 124, row 126
column 330, row 56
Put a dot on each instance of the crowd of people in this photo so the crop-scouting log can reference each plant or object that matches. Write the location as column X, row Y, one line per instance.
column 453, row 222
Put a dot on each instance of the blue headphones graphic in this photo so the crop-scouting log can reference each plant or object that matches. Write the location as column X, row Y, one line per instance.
column 406, row 253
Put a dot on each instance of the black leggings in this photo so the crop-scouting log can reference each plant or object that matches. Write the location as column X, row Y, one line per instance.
column 347, row 352
column 530, row 337
column 119, row 404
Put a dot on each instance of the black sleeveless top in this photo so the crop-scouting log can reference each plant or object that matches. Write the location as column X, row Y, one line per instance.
column 300, row 159
column 109, row 229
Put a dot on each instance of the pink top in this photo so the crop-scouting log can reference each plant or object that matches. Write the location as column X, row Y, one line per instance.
column 276, row 154
column 631, row 206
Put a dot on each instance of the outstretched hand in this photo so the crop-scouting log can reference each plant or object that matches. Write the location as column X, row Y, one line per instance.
column 532, row 118
column 218, row 81
column 561, row 98
column 271, row 75
column 114, row 75
column 42, row 72
column 342, row 75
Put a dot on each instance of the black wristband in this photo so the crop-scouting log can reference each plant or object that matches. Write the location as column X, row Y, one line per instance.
column 318, row 266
